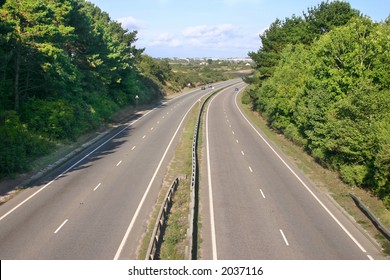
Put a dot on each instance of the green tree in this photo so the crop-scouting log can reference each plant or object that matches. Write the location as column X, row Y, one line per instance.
column 297, row 30
column 328, row 15
column 273, row 42
column 347, row 125
column 278, row 97
column 34, row 36
column 65, row 67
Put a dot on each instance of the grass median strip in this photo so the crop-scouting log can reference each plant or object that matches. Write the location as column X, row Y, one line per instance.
column 175, row 241
column 176, row 245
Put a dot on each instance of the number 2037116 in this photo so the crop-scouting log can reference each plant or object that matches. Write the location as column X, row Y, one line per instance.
column 242, row 270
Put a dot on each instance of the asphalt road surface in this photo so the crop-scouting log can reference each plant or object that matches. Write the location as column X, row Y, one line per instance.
column 258, row 205
column 97, row 205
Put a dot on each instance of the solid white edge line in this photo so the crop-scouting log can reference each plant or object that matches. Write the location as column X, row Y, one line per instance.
column 71, row 167
column 58, row 229
column 284, row 237
column 211, row 204
column 130, row 227
column 303, row 183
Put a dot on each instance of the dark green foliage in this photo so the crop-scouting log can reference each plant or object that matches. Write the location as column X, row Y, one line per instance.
column 326, row 16
column 274, row 40
column 297, row 30
column 17, row 144
column 332, row 94
column 65, row 67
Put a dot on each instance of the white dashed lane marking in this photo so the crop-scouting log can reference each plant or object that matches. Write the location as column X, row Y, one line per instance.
column 284, row 237
column 97, row 187
column 262, row 194
column 59, row 228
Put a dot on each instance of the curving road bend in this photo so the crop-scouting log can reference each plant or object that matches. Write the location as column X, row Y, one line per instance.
column 259, row 205
column 98, row 204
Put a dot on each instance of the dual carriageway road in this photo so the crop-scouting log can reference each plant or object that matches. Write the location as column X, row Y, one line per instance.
column 98, row 205
column 260, row 207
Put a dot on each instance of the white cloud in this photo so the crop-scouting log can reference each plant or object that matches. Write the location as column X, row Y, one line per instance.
column 166, row 39
column 210, row 31
column 131, row 23
column 217, row 40
column 212, row 36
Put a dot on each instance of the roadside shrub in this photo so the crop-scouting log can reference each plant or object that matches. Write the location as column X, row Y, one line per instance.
column 54, row 119
column 353, row 174
column 18, row 146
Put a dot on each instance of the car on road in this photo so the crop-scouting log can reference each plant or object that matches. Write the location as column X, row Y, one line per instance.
column 203, row 88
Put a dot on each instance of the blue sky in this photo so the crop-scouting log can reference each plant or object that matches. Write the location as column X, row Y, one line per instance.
column 212, row 28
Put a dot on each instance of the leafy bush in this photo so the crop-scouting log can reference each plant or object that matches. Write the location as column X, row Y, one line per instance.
column 65, row 69
column 18, row 146
column 55, row 119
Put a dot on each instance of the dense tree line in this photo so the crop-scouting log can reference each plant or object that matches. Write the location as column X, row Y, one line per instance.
column 65, row 67
column 324, row 81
